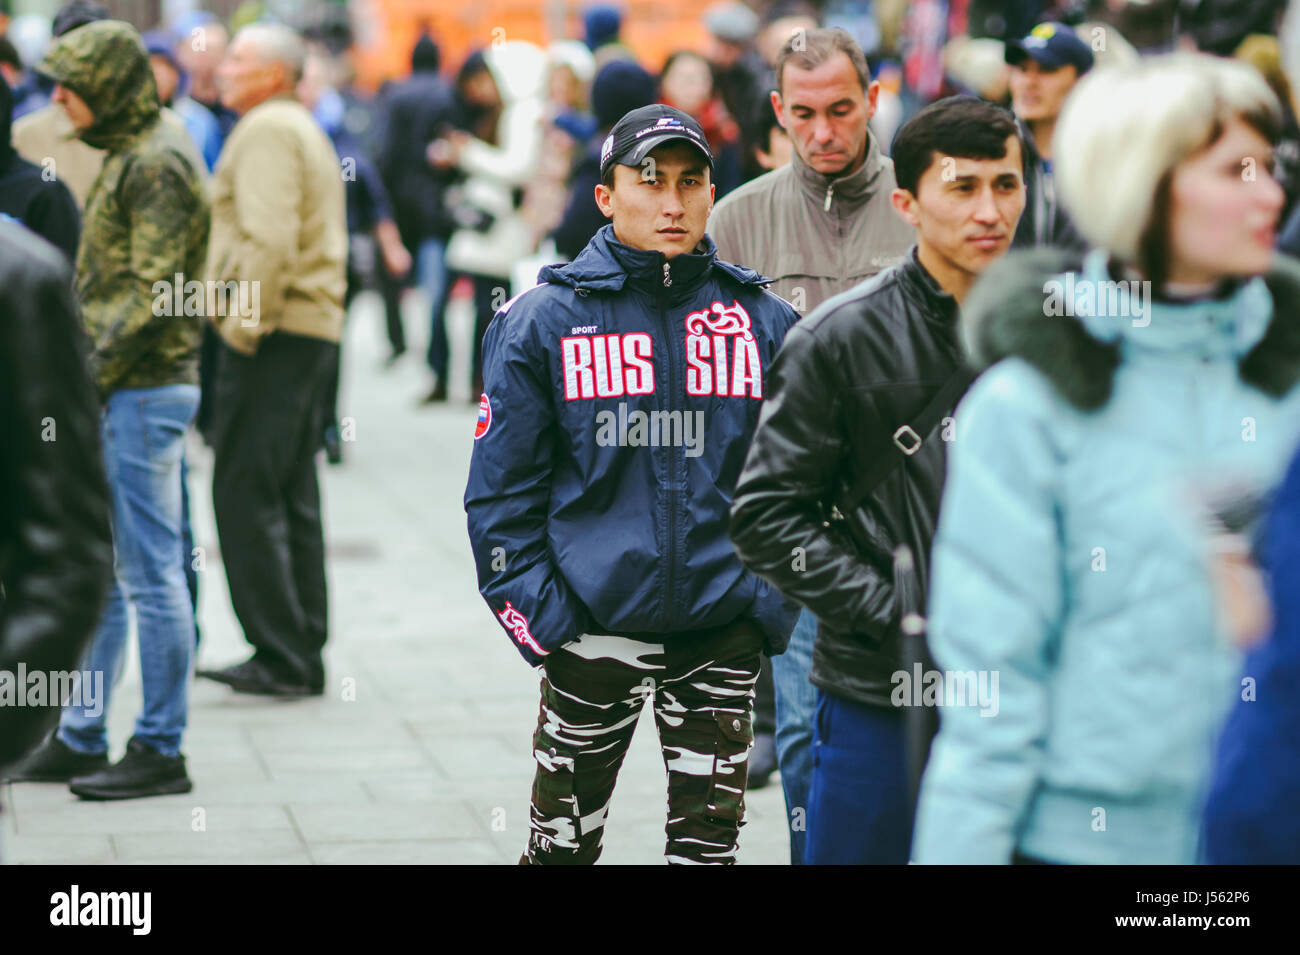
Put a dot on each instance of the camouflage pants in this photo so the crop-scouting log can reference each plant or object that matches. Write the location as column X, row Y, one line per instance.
column 702, row 689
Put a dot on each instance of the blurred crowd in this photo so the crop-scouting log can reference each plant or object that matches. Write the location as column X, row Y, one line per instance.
column 248, row 162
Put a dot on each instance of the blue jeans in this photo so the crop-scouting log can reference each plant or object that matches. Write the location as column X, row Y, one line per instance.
column 860, row 803
column 143, row 432
column 435, row 279
column 796, row 699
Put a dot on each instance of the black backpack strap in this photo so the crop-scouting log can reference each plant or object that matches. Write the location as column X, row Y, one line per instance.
column 907, row 439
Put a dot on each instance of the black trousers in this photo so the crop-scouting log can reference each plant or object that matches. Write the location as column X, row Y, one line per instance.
column 265, row 431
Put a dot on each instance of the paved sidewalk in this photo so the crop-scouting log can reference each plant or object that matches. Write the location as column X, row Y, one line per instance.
column 420, row 750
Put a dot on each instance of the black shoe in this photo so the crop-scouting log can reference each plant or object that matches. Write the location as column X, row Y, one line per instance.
column 142, row 771
column 333, row 447
column 437, row 394
column 55, row 762
column 762, row 761
column 255, row 677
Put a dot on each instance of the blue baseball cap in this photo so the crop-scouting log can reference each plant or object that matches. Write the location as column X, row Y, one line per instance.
column 1052, row 46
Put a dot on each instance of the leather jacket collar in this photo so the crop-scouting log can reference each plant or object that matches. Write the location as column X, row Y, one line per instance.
column 939, row 305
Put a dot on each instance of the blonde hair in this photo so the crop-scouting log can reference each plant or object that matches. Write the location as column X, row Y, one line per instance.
column 1125, row 128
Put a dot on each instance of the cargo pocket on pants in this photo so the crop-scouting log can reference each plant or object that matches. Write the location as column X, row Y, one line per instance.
column 734, row 736
column 557, row 822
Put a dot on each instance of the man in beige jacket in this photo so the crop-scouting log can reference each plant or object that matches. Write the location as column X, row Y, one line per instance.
column 277, row 261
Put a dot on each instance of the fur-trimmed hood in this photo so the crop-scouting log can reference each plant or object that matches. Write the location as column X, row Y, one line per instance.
column 1005, row 316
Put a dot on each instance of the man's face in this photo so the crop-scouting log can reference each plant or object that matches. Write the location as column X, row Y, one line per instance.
column 722, row 53
column 79, row 113
column 245, row 78
column 203, row 50
column 165, row 76
column 966, row 210
column 663, row 205
column 825, row 111
column 1038, row 93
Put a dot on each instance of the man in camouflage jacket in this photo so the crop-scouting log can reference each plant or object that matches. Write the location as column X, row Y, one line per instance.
column 139, row 272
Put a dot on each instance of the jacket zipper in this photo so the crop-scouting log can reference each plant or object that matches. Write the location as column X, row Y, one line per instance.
column 830, row 189
column 670, row 597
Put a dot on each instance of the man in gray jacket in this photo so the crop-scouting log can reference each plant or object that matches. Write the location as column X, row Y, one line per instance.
column 818, row 226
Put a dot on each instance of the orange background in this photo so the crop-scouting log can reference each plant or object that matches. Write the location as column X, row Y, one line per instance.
column 387, row 29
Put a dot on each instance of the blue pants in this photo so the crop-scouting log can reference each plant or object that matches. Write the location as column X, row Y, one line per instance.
column 143, row 432
column 860, row 807
column 435, row 279
column 796, row 700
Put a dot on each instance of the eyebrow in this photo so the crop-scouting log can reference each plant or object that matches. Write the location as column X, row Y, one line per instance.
column 1014, row 173
column 845, row 101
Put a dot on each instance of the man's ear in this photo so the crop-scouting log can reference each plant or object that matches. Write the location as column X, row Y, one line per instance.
column 904, row 204
column 605, row 200
column 776, row 108
column 873, row 92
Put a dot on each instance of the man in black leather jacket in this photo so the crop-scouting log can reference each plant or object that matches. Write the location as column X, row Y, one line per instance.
column 870, row 378
column 56, row 552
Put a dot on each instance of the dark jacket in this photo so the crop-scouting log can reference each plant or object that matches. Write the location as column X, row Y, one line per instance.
column 417, row 111
column 43, row 205
column 864, row 363
column 583, row 522
column 55, row 550
column 1044, row 221
column 1250, row 817
column 582, row 218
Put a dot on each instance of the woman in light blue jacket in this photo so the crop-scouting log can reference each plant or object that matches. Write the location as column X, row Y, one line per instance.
column 1126, row 396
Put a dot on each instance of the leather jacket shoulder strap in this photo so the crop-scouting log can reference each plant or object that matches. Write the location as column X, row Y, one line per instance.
column 907, row 439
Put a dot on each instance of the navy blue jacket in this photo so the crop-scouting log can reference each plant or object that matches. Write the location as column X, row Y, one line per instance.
column 1252, row 815
column 620, row 398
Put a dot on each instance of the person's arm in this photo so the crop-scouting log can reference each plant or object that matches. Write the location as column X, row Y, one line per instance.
column 161, row 207
column 54, row 527
column 777, row 515
column 508, row 496
column 513, row 161
column 267, row 189
column 54, row 215
column 996, row 603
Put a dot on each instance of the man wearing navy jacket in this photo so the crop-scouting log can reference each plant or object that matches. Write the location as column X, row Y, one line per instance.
column 620, row 397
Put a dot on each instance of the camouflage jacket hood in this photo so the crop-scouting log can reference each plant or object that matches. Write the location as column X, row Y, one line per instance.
column 145, row 228
column 105, row 63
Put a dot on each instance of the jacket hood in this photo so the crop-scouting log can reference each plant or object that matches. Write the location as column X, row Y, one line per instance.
column 1021, row 307
column 606, row 265
column 519, row 69
column 105, row 64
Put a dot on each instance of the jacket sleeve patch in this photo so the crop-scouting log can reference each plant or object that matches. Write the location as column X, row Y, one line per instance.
column 484, row 416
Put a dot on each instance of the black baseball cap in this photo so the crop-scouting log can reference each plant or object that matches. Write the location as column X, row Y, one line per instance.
column 646, row 128
column 1052, row 45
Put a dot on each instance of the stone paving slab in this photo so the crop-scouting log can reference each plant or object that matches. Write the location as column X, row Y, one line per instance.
column 420, row 750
